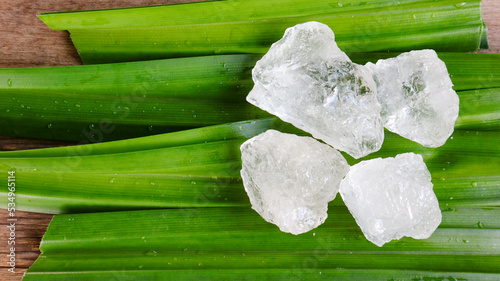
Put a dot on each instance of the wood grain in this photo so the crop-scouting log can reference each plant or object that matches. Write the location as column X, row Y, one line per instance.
column 25, row 41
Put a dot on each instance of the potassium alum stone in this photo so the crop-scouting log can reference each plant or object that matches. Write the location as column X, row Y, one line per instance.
column 291, row 179
column 391, row 198
column 306, row 80
column 416, row 95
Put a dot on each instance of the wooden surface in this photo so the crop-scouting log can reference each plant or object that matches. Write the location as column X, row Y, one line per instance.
column 26, row 42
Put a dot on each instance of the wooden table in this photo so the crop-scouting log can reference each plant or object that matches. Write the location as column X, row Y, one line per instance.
column 25, row 41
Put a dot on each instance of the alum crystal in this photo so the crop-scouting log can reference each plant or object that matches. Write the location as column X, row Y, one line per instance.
column 306, row 80
column 291, row 179
column 416, row 95
column 391, row 198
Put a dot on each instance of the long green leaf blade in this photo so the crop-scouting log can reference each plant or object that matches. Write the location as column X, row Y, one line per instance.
column 147, row 243
column 241, row 229
column 439, row 25
column 117, row 101
column 238, row 130
column 265, row 274
column 464, row 172
column 207, row 12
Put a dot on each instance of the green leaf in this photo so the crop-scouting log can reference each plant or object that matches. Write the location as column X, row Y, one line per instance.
column 208, row 12
column 236, row 242
column 117, row 101
column 439, row 25
column 162, row 172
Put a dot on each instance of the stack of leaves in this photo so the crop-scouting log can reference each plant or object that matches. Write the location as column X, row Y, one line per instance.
column 207, row 229
column 243, row 26
column 106, row 102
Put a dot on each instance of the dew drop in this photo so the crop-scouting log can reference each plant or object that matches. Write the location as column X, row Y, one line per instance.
column 49, row 126
column 150, row 128
column 480, row 224
column 474, row 184
column 112, row 180
column 150, row 253
column 9, row 82
column 7, row 110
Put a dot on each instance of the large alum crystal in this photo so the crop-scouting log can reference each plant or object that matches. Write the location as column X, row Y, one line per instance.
column 416, row 95
column 306, row 80
column 291, row 179
column 391, row 198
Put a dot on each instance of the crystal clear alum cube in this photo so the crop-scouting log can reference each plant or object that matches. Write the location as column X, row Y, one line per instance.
column 290, row 179
column 306, row 80
column 417, row 98
column 391, row 198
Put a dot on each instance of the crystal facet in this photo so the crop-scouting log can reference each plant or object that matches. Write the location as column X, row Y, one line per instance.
column 391, row 198
column 306, row 80
column 291, row 179
column 417, row 98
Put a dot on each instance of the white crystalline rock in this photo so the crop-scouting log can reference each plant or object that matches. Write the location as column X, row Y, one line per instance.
column 416, row 95
column 291, row 179
column 391, row 198
column 306, row 80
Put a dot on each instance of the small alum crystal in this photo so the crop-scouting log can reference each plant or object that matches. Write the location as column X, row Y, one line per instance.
column 306, row 80
column 290, row 179
column 391, row 198
column 417, row 98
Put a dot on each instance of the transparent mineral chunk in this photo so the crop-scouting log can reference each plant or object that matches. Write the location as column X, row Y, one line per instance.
column 391, row 198
column 290, row 179
column 306, row 80
column 416, row 95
